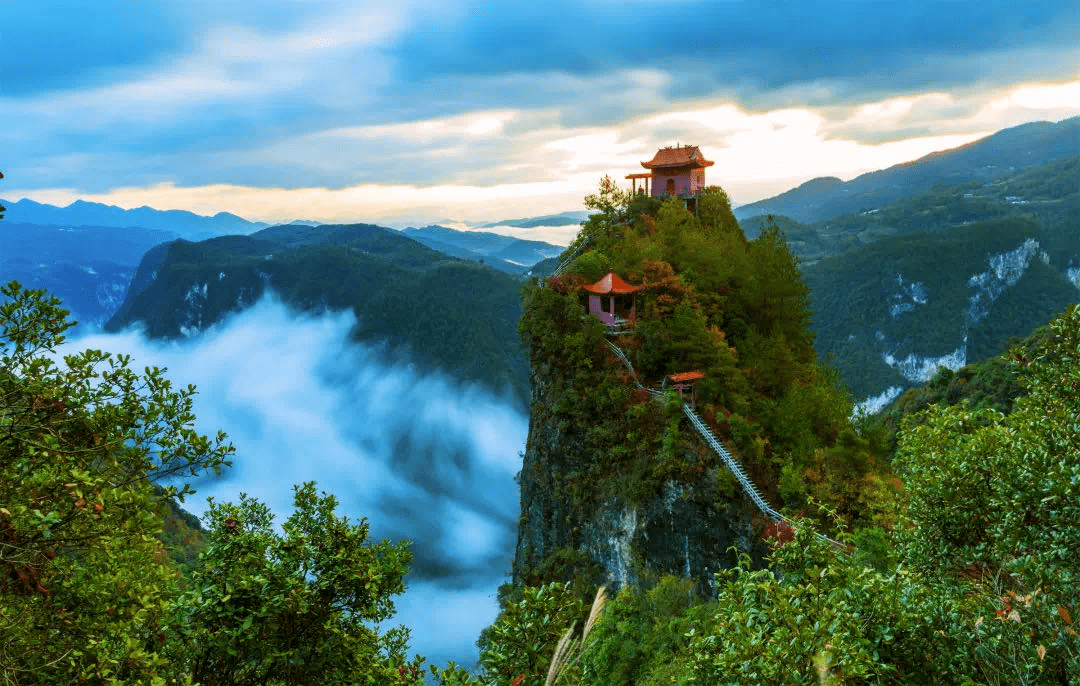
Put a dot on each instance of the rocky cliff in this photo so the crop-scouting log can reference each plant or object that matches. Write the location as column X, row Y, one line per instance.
column 615, row 483
column 686, row 527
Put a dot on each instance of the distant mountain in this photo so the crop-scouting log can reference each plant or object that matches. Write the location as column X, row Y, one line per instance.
column 82, row 213
column 448, row 314
column 560, row 219
column 1004, row 152
column 945, row 276
column 505, row 253
column 1048, row 193
column 87, row 267
column 77, row 243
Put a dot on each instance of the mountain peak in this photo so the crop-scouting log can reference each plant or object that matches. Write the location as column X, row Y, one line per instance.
column 1005, row 151
column 88, row 213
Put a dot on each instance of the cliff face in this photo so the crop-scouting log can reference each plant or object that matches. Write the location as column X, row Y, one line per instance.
column 614, row 476
column 443, row 313
column 686, row 527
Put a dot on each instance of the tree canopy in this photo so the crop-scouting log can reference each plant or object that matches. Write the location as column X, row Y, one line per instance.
column 91, row 455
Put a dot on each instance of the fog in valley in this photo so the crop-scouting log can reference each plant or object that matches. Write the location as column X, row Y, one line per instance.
column 419, row 455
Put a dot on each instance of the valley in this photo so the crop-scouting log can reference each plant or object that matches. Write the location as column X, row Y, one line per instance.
column 383, row 325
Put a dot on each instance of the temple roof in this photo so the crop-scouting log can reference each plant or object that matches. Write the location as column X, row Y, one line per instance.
column 611, row 284
column 686, row 376
column 682, row 156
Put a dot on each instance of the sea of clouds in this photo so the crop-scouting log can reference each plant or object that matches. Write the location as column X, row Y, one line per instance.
column 420, row 455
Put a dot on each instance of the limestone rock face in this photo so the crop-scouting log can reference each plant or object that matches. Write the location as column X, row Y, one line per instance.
column 685, row 528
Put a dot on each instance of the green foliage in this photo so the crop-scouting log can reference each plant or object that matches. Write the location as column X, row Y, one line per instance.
column 980, row 585
column 298, row 607
column 566, row 566
column 449, row 313
column 523, row 638
column 610, row 203
column 940, row 238
column 644, row 638
column 591, row 266
column 85, row 584
column 88, row 591
column 995, row 500
column 814, row 618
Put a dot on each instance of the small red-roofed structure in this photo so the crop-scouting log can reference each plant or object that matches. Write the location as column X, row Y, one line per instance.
column 685, row 381
column 674, row 171
column 617, row 291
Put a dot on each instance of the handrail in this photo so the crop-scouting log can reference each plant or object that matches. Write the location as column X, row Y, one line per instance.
column 733, row 465
column 570, row 258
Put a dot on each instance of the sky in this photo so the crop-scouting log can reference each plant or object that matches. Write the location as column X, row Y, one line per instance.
column 421, row 456
column 410, row 112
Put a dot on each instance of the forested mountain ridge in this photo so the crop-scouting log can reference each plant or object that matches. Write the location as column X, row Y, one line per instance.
column 505, row 253
column 1048, row 194
column 88, row 267
column 890, row 313
column 1004, row 152
column 617, row 485
column 449, row 314
column 942, row 277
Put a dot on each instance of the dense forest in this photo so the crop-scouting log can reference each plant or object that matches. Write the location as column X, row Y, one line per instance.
column 957, row 513
column 447, row 314
column 956, row 508
column 956, row 270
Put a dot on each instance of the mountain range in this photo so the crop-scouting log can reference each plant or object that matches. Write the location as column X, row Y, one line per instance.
column 444, row 313
column 560, row 219
column 1004, row 152
column 82, row 213
column 936, row 261
column 942, row 277
column 88, row 267
column 505, row 253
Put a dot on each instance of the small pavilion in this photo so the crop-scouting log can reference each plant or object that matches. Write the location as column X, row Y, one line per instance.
column 622, row 305
column 673, row 171
column 684, row 381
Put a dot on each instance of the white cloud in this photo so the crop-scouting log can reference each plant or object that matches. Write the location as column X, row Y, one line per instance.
column 1042, row 96
column 412, row 134
column 419, row 455
column 597, row 149
column 489, row 164
column 233, row 66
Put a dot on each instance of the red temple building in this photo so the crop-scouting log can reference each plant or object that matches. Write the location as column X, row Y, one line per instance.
column 621, row 300
column 673, row 171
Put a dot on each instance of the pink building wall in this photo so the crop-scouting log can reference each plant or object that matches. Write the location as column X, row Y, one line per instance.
column 687, row 183
column 596, row 307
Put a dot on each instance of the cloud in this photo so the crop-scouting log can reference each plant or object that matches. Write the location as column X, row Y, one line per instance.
column 755, row 47
column 420, row 111
column 368, row 202
column 420, row 456
column 1055, row 98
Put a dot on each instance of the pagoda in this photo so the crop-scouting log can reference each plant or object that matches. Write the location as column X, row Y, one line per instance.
column 674, row 171
column 622, row 308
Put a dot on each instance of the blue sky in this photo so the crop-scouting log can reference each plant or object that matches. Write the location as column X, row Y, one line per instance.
column 415, row 111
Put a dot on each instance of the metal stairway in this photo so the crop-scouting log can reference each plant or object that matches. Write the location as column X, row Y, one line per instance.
column 733, row 465
column 570, row 258
column 730, row 461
